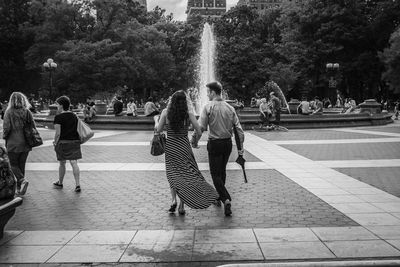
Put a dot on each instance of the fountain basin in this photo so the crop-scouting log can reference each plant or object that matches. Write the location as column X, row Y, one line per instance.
column 248, row 117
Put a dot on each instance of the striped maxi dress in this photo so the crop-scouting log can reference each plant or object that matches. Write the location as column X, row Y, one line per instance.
column 183, row 174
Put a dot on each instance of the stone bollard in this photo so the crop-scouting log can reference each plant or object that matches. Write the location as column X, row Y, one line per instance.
column 370, row 106
column 293, row 104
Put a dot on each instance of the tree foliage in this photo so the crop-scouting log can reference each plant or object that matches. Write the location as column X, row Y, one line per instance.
column 99, row 45
column 293, row 44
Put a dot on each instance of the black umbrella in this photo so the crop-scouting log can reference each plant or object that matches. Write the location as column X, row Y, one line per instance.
column 240, row 160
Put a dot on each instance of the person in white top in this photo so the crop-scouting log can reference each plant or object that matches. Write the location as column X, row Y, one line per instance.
column 131, row 109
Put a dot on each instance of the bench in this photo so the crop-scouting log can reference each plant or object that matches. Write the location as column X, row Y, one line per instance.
column 7, row 210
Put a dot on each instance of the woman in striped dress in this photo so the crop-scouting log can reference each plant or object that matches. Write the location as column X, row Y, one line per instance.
column 183, row 174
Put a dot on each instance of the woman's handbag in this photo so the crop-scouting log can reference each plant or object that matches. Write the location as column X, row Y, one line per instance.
column 84, row 131
column 31, row 134
column 158, row 144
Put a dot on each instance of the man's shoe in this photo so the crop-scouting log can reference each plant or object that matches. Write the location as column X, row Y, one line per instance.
column 24, row 186
column 228, row 211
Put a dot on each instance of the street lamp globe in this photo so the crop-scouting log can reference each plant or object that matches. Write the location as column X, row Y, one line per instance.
column 50, row 66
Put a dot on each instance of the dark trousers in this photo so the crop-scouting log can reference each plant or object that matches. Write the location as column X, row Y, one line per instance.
column 218, row 155
column 17, row 162
column 277, row 117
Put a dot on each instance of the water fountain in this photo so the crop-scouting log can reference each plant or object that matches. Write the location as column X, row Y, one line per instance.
column 207, row 65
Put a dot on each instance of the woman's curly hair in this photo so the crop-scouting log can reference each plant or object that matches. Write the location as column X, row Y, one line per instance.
column 177, row 111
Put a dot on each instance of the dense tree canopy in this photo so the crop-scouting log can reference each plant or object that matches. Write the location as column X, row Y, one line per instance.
column 103, row 45
column 292, row 46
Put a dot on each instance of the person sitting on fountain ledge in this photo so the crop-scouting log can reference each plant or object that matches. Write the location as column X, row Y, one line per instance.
column 150, row 109
column 118, row 106
column 318, row 107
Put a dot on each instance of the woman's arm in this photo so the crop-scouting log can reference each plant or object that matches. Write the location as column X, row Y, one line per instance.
column 195, row 124
column 57, row 127
column 159, row 127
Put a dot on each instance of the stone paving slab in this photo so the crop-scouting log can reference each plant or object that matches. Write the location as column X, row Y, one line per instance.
column 347, row 151
column 140, row 200
column 386, row 179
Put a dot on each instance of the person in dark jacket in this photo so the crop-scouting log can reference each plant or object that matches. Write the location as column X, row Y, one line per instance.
column 118, row 106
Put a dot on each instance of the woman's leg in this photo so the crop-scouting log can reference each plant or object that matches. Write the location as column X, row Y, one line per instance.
column 61, row 172
column 21, row 164
column 181, row 208
column 14, row 162
column 75, row 171
column 22, row 161
column 173, row 196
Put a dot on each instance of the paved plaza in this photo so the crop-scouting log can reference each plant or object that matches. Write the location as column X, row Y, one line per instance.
column 312, row 195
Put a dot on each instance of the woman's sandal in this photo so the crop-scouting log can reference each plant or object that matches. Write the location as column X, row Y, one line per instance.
column 58, row 185
column 78, row 189
column 181, row 212
column 173, row 208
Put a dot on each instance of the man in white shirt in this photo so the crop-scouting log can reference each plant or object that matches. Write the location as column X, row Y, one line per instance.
column 220, row 118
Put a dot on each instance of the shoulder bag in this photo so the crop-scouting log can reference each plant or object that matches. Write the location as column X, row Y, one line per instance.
column 158, row 144
column 84, row 131
column 31, row 134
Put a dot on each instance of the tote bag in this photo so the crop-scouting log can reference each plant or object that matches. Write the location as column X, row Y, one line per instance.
column 31, row 134
column 84, row 131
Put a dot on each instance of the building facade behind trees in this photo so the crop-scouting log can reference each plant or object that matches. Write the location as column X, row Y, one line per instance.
column 206, row 8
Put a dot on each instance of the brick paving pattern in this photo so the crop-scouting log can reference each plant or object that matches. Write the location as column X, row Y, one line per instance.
column 386, row 179
column 347, row 151
column 139, row 200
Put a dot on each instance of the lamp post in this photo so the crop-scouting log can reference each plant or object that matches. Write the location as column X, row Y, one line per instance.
column 50, row 66
column 333, row 69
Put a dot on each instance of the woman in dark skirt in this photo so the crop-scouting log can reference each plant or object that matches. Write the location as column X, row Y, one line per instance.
column 66, row 141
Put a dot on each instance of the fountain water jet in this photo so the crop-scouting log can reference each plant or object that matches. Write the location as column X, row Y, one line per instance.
column 207, row 65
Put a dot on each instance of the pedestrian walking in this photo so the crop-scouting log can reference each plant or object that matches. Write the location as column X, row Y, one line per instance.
column 16, row 116
column 183, row 174
column 220, row 118
column 66, row 143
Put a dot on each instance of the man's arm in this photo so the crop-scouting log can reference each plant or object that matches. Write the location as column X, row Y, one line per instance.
column 240, row 132
column 203, row 120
